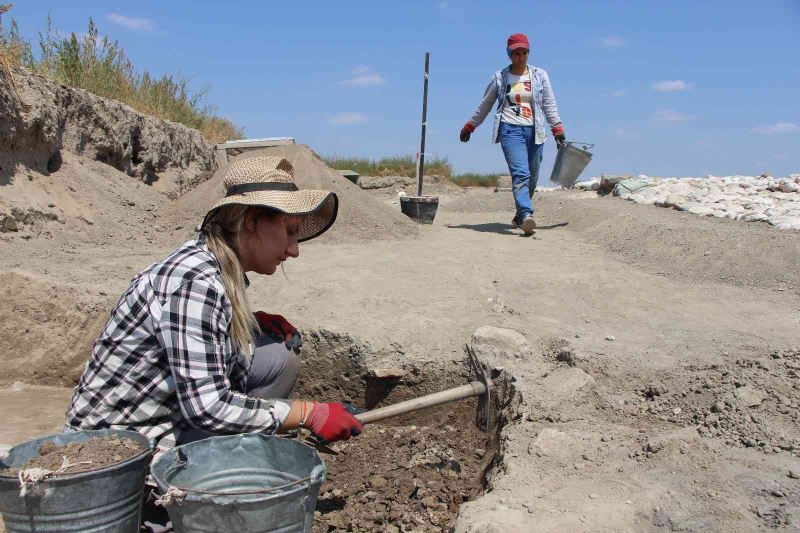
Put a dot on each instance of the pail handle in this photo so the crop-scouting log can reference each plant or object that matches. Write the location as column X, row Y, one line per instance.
column 586, row 146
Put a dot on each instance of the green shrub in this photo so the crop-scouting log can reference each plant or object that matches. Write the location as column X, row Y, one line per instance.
column 472, row 179
column 101, row 67
column 400, row 165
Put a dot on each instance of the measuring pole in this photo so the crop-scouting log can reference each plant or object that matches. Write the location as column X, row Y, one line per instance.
column 421, row 166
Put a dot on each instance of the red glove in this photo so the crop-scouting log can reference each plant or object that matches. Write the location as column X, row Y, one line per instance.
column 466, row 131
column 330, row 422
column 558, row 133
column 279, row 327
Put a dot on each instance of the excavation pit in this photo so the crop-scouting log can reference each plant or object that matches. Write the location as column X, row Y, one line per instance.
column 405, row 473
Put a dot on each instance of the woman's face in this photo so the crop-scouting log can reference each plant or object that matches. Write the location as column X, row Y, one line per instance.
column 267, row 240
column 519, row 57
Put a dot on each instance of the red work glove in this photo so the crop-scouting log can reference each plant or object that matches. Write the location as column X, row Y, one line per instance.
column 279, row 327
column 558, row 133
column 330, row 422
column 466, row 131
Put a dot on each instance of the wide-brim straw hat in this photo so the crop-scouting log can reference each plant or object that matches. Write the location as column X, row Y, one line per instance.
column 269, row 182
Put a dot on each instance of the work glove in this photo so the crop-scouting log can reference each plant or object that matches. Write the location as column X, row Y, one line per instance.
column 280, row 328
column 466, row 131
column 330, row 422
column 558, row 133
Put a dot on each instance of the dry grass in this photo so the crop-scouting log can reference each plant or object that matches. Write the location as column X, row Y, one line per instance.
column 101, row 67
column 472, row 179
column 400, row 165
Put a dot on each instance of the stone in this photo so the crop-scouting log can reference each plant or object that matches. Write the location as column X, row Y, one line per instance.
column 556, row 444
column 749, row 396
column 610, row 338
column 564, row 383
column 491, row 343
column 794, row 473
column 9, row 224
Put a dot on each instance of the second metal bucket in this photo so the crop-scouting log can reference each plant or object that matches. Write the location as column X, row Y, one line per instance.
column 243, row 483
column 570, row 162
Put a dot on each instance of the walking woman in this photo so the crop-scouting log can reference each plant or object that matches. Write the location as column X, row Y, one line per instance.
column 525, row 100
column 183, row 357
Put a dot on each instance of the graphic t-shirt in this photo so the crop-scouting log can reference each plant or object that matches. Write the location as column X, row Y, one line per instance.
column 517, row 107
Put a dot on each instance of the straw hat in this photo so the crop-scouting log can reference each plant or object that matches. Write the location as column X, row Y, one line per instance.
column 269, row 182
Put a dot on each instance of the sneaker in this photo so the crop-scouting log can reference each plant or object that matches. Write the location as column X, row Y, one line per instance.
column 528, row 225
column 514, row 222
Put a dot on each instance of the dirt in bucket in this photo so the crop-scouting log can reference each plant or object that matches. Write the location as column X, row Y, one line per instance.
column 405, row 477
column 75, row 457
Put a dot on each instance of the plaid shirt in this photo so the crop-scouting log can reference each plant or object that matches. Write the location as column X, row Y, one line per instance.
column 165, row 362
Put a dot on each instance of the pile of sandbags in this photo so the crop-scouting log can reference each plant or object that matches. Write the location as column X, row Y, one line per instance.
column 745, row 198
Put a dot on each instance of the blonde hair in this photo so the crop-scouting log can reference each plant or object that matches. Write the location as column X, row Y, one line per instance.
column 222, row 231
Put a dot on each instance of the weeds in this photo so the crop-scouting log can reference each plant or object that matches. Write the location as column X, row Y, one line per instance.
column 101, row 67
column 400, row 165
column 407, row 166
column 472, row 179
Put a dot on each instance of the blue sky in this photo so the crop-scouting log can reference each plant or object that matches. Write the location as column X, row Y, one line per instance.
column 672, row 88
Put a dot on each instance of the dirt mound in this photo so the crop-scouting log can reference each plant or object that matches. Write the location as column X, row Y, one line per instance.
column 361, row 216
column 41, row 118
column 48, row 329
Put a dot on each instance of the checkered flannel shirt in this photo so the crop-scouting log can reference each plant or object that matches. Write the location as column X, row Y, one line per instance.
column 165, row 362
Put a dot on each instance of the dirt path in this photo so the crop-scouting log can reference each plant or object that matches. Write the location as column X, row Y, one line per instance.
column 661, row 316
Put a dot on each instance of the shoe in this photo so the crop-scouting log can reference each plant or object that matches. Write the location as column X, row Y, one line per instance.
column 528, row 225
column 514, row 223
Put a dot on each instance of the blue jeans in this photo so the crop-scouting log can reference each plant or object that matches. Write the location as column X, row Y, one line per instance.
column 523, row 156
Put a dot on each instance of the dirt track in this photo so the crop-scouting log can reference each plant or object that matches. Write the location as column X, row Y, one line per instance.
column 697, row 308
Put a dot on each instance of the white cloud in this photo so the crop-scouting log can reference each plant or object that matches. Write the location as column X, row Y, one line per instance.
column 613, row 42
column 618, row 94
column 363, row 76
column 132, row 23
column 671, row 86
column 364, row 80
column 780, row 127
column 348, row 118
column 669, row 116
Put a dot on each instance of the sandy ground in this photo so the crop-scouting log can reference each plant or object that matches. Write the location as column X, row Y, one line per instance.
column 639, row 321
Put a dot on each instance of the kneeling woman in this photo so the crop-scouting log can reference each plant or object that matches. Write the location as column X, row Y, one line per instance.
column 183, row 357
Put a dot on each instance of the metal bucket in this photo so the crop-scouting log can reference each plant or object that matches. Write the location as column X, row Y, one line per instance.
column 420, row 209
column 570, row 162
column 104, row 500
column 245, row 483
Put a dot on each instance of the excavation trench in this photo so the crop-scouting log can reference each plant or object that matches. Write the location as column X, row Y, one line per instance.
column 406, row 473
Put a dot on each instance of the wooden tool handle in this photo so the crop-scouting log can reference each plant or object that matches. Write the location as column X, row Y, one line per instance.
column 475, row 388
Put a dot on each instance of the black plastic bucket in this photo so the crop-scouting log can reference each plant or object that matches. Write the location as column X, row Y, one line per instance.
column 420, row 209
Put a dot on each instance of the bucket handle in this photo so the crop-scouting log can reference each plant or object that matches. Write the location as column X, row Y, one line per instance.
column 318, row 474
column 586, row 146
column 174, row 490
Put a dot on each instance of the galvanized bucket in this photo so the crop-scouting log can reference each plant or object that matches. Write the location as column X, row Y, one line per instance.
column 570, row 162
column 245, row 483
column 104, row 500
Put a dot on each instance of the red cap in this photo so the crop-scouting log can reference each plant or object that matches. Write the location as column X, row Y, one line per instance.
column 518, row 40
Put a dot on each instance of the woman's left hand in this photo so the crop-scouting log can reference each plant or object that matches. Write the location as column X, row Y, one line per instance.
column 280, row 327
column 558, row 133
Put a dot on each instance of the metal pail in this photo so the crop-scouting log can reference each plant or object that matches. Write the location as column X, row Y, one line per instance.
column 570, row 162
column 104, row 500
column 244, row 483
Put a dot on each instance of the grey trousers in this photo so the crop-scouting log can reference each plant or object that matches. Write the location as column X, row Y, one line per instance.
column 272, row 374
